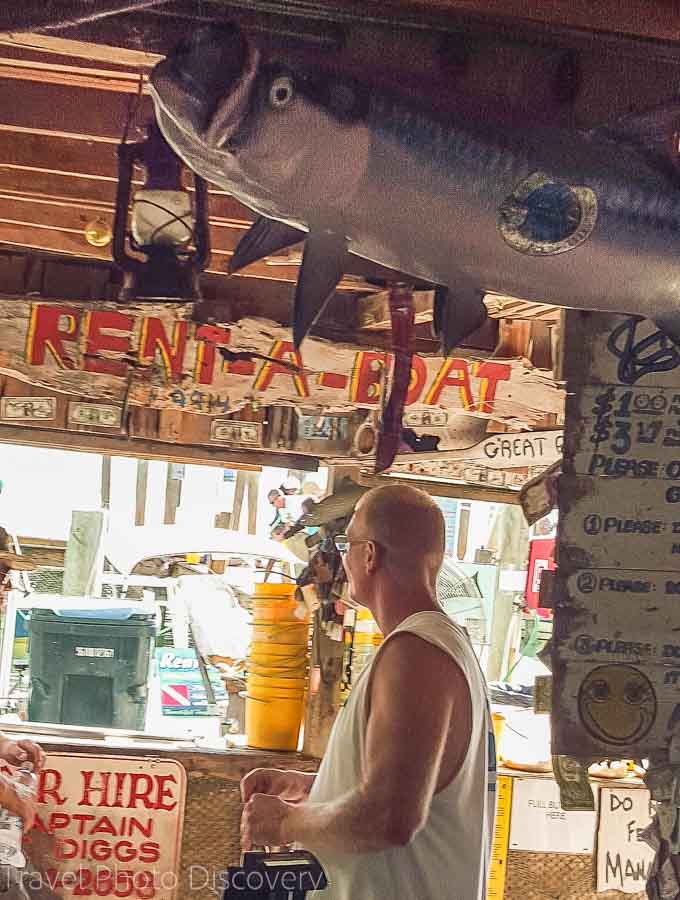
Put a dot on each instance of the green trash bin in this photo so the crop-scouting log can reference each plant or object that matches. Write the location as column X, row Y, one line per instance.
column 90, row 665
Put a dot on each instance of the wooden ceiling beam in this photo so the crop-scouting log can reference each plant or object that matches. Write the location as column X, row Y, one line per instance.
column 65, row 46
column 81, row 112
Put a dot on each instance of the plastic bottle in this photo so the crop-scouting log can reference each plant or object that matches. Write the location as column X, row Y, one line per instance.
column 25, row 783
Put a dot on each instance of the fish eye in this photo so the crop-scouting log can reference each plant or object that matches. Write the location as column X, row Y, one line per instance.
column 281, row 92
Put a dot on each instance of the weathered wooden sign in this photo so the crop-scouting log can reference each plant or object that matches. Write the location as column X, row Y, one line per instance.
column 503, row 451
column 631, row 432
column 155, row 355
column 616, row 660
column 605, row 522
column 607, row 348
column 616, row 655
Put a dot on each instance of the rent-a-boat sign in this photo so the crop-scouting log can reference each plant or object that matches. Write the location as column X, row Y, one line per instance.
column 156, row 355
column 116, row 824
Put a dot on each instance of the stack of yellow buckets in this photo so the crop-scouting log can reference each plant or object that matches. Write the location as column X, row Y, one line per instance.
column 367, row 640
column 277, row 669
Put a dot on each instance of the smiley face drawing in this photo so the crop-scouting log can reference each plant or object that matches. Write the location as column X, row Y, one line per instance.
column 617, row 704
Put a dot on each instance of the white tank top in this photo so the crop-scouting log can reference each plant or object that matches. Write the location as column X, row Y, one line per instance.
column 448, row 859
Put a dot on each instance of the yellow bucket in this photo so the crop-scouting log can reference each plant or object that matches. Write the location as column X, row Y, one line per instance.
column 283, row 633
column 273, row 724
column 261, row 650
column 272, row 693
column 277, row 665
column 269, row 589
column 498, row 721
column 274, row 682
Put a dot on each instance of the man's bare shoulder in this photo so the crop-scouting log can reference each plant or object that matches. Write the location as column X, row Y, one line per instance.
column 405, row 653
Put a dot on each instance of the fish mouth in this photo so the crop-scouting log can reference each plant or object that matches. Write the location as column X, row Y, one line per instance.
column 207, row 80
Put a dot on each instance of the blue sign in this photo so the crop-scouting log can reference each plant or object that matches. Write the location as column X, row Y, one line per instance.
column 182, row 688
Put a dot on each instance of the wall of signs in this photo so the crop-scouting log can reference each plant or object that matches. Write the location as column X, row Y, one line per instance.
column 616, row 666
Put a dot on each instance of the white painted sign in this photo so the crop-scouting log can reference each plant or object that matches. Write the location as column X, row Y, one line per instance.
column 539, row 823
column 623, row 860
column 97, row 415
column 227, row 431
column 28, row 409
column 117, row 823
column 605, row 524
column 618, row 658
column 630, row 432
column 503, row 451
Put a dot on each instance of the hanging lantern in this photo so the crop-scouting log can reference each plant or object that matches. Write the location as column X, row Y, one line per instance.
column 168, row 234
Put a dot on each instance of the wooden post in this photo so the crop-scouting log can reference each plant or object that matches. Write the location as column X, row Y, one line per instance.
column 513, row 543
column 140, row 491
column 83, row 561
column 173, row 489
column 239, row 492
column 253, row 484
column 616, row 638
column 323, row 699
column 106, row 482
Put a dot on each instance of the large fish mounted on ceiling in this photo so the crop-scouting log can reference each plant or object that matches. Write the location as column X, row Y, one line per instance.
column 577, row 220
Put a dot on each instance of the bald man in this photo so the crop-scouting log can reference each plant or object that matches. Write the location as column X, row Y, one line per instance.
column 402, row 806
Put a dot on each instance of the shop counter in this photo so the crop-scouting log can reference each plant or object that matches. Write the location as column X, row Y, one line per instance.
column 171, row 812
column 144, row 810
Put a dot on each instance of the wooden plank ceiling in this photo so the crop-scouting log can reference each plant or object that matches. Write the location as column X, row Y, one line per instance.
column 65, row 97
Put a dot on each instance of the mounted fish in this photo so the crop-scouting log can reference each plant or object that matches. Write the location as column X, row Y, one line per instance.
column 570, row 219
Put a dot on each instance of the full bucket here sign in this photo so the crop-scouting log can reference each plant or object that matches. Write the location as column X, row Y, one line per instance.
column 116, row 826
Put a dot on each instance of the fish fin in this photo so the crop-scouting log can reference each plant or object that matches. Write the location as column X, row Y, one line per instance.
column 265, row 237
column 461, row 314
column 441, row 294
column 323, row 265
column 654, row 133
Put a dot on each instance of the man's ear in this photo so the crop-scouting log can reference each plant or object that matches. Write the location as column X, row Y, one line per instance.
column 372, row 557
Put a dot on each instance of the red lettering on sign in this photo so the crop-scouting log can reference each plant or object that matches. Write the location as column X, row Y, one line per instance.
column 149, row 852
column 417, row 382
column 49, row 782
column 141, row 788
column 165, row 792
column 367, row 376
column 281, row 350
column 453, row 373
column 490, row 373
column 50, row 326
column 57, row 821
column 104, row 825
column 96, row 340
column 89, row 789
column 332, row 380
column 155, row 338
column 208, row 338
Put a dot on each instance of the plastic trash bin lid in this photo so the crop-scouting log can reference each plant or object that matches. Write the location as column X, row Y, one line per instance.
column 93, row 608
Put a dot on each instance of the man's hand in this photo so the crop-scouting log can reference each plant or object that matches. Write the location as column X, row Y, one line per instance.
column 263, row 822
column 13, row 799
column 17, row 752
column 293, row 787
